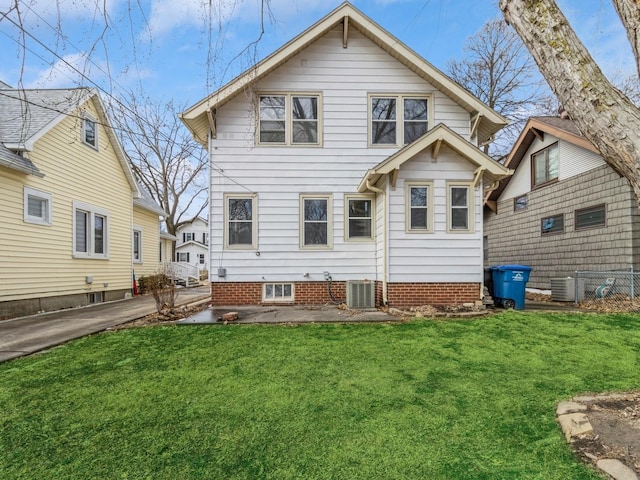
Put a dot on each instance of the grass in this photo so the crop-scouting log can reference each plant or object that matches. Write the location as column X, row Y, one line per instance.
column 422, row 400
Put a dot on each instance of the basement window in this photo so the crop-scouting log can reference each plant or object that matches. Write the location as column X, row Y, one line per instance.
column 277, row 292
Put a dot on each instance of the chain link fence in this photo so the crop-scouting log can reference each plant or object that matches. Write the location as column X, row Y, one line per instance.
column 607, row 291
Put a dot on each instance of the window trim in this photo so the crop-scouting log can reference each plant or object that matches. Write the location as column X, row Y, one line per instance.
column 430, row 203
column 90, row 118
column 254, row 221
column 470, row 207
column 179, row 254
column 535, row 185
column 515, row 203
column 282, row 299
column 546, row 234
column 316, row 196
column 400, row 120
column 92, row 212
column 137, row 230
column 359, row 196
column 589, row 227
column 288, row 119
column 29, row 192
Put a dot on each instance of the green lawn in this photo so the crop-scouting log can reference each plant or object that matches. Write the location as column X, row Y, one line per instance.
column 422, row 400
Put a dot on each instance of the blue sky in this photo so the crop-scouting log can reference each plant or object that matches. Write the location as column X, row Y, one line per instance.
column 181, row 50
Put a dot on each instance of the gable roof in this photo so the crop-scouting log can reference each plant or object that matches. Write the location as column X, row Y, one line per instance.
column 17, row 162
column 199, row 118
column 146, row 202
column 536, row 127
column 26, row 115
column 440, row 134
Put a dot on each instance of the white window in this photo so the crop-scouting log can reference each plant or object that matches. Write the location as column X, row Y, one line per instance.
column 419, row 207
column 315, row 221
column 37, row 206
column 397, row 119
column 90, row 132
column 188, row 237
column 277, row 292
column 241, row 221
column 137, row 245
column 460, row 211
column 182, row 257
column 289, row 119
column 90, row 231
column 359, row 217
column 201, row 258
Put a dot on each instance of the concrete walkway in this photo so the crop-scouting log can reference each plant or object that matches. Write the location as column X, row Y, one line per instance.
column 26, row 335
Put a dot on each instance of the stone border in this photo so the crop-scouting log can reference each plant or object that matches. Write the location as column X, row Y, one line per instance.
column 574, row 424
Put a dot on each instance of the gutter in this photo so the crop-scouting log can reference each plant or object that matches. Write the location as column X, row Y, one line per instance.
column 385, row 297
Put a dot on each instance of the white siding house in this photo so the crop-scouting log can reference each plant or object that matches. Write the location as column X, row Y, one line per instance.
column 192, row 245
column 344, row 157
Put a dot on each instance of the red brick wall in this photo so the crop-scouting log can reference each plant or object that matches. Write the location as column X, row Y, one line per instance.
column 415, row 294
column 400, row 295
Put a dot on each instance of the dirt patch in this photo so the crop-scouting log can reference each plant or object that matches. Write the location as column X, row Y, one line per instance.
column 169, row 317
column 616, row 430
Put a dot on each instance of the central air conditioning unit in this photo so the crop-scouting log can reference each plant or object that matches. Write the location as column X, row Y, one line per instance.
column 361, row 294
column 564, row 289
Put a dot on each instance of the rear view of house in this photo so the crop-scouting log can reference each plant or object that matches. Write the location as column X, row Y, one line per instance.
column 563, row 210
column 346, row 168
column 66, row 207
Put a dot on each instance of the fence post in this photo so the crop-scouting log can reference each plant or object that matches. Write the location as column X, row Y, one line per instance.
column 633, row 283
column 575, row 288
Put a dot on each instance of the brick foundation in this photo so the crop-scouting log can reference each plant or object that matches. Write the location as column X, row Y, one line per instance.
column 401, row 295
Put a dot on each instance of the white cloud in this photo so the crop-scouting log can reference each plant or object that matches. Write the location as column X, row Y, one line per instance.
column 64, row 73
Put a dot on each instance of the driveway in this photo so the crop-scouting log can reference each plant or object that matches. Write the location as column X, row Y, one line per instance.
column 26, row 335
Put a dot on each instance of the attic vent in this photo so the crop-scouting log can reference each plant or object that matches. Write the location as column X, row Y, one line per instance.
column 361, row 294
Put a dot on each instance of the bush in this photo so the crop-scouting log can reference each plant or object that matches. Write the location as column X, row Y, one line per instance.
column 162, row 289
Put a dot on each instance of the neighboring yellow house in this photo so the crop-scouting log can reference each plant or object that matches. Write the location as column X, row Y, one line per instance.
column 69, row 204
column 146, row 243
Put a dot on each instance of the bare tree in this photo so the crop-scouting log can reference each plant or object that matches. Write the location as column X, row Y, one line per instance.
column 166, row 159
column 498, row 69
column 604, row 115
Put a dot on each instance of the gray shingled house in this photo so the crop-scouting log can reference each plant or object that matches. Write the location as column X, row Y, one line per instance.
column 563, row 210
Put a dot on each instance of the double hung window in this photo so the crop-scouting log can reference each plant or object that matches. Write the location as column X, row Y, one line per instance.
column 359, row 217
column 90, row 229
column 137, row 245
column 545, row 165
column 289, row 119
column 397, row 119
column 315, row 221
column 90, row 132
column 419, row 203
column 460, row 202
column 240, row 221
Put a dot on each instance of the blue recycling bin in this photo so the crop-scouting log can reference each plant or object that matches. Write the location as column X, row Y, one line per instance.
column 509, row 285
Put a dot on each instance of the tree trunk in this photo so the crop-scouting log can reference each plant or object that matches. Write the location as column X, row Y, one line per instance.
column 629, row 13
column 604, row 115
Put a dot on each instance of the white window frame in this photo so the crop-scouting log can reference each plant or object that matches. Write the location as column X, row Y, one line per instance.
column 470, row 207
column 289, row 120
column 544, row 155
column 138, row 231
column 399, row 116
column 281, row 298
column 419, row 184
column 254, row 221
column 42, row 196
column 91, row 119
column 201, row 259
column 329, row 221
column 92, row 212
column 347, row 218
column 180, row 255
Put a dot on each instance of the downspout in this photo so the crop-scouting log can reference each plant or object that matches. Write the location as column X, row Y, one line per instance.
column 385, row 298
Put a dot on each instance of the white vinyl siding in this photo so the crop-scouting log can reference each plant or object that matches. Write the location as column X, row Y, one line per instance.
column 279, row 173
column 37, row 206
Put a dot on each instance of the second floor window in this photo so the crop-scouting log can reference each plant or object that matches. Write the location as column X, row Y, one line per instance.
column 90, row 132
column 397, row 120
column 544, row 165
column 288, row 119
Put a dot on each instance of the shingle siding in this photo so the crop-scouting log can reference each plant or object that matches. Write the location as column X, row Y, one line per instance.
column 515, row 237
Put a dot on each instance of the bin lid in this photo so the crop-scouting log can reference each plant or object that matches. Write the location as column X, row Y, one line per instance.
column 504, row 268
